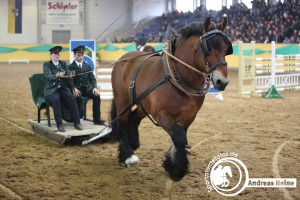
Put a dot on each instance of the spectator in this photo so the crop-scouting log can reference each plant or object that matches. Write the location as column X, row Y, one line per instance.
column 286, row 40
column 275, row 21
column 267, row 40
column 142, row 41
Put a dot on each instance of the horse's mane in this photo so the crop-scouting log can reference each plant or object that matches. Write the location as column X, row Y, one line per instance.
column 195, row 29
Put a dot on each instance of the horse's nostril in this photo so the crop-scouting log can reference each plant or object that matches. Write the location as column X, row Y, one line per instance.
column 219, row 82
column 222, row 82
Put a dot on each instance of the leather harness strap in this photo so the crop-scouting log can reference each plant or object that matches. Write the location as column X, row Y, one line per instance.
column 133, row 79
column 137, row 99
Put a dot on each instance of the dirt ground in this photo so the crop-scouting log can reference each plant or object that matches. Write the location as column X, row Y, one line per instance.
column 32, row 167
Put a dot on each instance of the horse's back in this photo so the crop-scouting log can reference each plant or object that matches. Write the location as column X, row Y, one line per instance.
column 127, row 60
column 126, row 65
column 123, row 71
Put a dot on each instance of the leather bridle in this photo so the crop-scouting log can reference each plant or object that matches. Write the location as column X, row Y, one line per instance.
column 205, row 50
column 204, row 47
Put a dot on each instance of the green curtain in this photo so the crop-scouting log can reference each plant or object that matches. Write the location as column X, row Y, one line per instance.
column 291, row 49
column 110, row 47
column 98, row 47
column 42, row 48
column 159, row 47
column 131, row 47
column 246, row 52
column 7, row 49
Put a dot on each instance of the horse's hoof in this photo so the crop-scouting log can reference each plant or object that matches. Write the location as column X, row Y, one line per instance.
column 132, row 161
column 175, row 178
column 122, row 164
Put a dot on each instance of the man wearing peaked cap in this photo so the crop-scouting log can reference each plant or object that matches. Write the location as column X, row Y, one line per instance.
column 58, row 88
column 56, row 49
column 79, row 49
column 85, row 83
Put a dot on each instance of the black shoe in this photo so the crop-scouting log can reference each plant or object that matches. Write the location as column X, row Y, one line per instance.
column 99, row 122
column 78, row 127
column 61, row 128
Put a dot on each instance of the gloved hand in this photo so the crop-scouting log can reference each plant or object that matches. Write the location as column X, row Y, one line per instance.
column 60, row 74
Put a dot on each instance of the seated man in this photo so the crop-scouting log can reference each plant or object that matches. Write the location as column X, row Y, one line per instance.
column 58, row 87
column 85, row 83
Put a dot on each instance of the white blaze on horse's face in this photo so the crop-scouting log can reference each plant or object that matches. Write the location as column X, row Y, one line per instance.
column 219, row 79
column 219, row 76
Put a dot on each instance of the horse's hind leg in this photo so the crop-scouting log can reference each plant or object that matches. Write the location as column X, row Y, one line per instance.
column 176, row 162
column 133, row 133
column 125, row 150
column 126, row 154
column 129, row 140
column 120, row 133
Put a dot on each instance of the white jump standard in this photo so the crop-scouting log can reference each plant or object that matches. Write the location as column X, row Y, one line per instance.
column 256, row 78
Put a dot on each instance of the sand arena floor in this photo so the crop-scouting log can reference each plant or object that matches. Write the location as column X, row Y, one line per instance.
column 263, row 132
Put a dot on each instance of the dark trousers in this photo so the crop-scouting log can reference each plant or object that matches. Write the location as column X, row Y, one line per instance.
column 68, row 99
column 96, row 102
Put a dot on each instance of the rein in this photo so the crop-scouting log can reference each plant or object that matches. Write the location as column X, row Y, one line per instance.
column 185, row 64
column 127, row 59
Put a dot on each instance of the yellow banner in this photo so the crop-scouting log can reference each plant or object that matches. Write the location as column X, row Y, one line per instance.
column 11, row 16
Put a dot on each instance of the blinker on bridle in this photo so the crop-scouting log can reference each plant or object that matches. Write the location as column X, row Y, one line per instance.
column 204, row 47
column 205, row 50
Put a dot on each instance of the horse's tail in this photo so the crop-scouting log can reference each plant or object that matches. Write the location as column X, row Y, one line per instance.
column 115, row 133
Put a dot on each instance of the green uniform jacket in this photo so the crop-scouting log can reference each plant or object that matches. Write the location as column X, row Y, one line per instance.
column 53, row 83
column 86, row 80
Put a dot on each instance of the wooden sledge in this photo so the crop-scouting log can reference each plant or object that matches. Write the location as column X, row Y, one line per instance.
column 89, row 133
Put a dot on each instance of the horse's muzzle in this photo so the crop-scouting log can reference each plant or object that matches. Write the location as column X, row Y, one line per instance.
column 219, row 81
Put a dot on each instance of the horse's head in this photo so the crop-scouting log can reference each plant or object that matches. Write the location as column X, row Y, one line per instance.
column 214, row 46
column 202, row 48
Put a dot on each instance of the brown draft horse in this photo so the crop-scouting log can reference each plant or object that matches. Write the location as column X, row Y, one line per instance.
column 169, row 88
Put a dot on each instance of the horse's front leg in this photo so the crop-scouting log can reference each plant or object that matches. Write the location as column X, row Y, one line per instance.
column 176, row 162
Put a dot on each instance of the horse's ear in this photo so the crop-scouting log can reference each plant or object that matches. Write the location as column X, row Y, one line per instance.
column 223, row 24
column 207, row 25
column 170, row 32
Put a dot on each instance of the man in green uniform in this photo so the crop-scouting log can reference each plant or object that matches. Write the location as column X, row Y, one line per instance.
column 58, row 87
column 85, row 83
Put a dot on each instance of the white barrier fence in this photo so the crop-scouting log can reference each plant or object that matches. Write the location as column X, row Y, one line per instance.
column 104, row 83
column 18, row 61
column 262, row 77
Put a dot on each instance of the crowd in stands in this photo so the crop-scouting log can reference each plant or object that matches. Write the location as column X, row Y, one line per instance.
column 262, row 23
